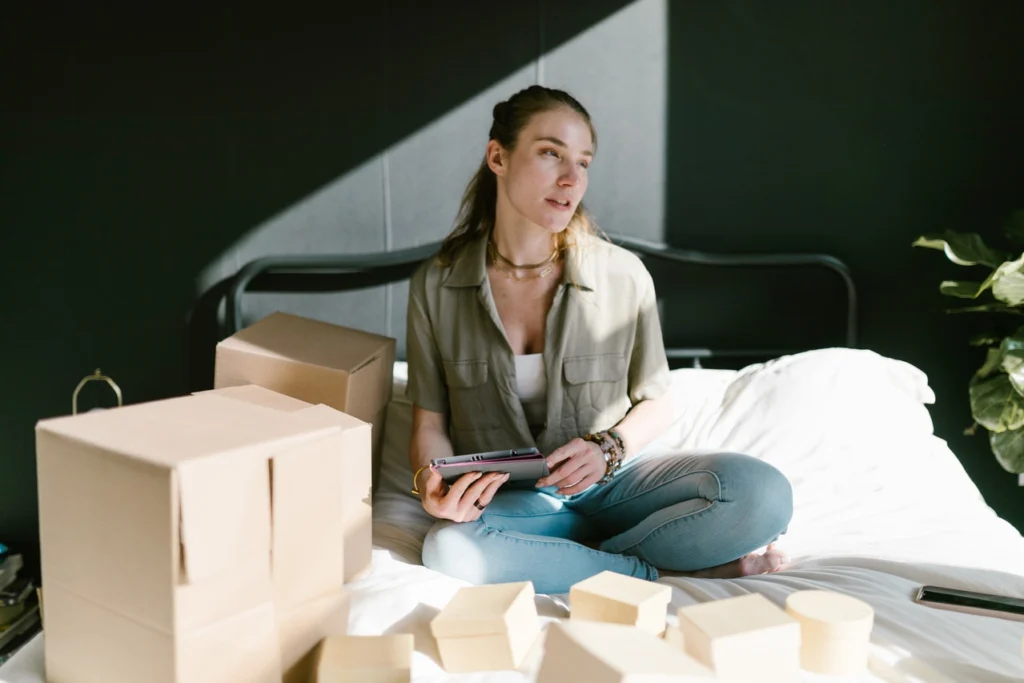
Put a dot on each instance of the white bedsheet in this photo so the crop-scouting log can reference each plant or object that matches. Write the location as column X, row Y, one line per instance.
column 881, row 507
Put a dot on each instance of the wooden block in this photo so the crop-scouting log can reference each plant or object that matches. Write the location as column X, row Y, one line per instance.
column 577, row 650
column 620, row 599
column 744, row 638
column 487, row 628
column 835, row 631
column 368, row 659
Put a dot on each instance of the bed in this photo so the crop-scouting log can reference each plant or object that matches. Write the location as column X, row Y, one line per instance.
column 881, row 504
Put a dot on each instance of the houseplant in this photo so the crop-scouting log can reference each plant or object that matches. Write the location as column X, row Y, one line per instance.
column 997, row 388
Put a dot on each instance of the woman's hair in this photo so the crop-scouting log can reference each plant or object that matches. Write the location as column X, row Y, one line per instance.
column 476, row 214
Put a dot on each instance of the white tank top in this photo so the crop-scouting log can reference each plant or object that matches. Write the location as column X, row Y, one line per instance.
column 532, row 387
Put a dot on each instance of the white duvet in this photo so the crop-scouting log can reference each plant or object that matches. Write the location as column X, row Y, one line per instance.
column 881, row 507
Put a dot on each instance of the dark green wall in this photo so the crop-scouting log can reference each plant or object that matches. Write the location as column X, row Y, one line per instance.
column 137, row 146
column 850, row 129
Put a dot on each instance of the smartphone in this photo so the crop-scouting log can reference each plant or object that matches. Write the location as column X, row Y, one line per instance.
column 973, row 603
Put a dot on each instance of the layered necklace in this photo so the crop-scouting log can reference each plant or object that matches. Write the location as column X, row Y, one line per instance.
column 511, row 270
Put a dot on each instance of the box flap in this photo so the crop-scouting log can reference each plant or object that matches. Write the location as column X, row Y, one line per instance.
column 172, row 431
column 224, row 507
column 283, row 335
column 321, row 417
column 481, row 610
column 257, row 395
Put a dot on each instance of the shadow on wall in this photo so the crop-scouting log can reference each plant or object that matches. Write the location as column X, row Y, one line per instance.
column 140, row 145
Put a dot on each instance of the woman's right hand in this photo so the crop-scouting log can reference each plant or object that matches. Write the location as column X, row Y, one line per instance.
column 465, row 499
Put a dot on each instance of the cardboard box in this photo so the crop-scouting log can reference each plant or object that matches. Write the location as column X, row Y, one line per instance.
column 368, row 659
column 835, row 631
column 614, row 653
column 619, row 599
column 487, row 628
column 175, row 535
column 317, row 362
column 744, row 638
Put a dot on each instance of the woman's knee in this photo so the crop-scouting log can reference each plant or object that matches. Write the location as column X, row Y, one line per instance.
column 759, row 487
column 454, row 549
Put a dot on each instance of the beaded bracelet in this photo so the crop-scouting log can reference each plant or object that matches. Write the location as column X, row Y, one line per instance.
column 611, row 445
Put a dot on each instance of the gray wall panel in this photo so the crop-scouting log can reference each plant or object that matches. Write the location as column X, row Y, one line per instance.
column 617, row 70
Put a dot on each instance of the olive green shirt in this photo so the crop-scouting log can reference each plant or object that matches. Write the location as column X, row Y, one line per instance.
column 603, row 349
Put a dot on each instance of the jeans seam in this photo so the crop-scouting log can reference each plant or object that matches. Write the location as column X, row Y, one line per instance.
column 687, row 517
column 514, row 516
column 721, row 491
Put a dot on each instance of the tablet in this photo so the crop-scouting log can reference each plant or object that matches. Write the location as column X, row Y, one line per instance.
column 522, row 464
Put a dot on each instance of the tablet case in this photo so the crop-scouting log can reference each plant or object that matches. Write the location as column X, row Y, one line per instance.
column 522, row 464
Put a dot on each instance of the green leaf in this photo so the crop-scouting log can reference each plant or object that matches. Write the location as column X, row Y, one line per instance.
column 1008, row 448
column 1014, row 228
column 995, row 404
column 962, row 289
column 1008, row 282
column 965, row 249
column 1011, row 352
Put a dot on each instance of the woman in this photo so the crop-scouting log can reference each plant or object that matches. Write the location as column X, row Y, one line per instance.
column 530, row 330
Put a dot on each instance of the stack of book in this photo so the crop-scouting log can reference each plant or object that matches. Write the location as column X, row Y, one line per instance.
column 19, row 604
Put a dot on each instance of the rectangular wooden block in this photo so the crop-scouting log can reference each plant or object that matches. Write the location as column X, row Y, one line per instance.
column 577, row 650
column 746, row 638
column 619, row 599
column 368, row 659
column 487, row 628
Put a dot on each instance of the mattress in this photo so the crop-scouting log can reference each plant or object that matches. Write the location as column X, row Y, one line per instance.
column 881, row 506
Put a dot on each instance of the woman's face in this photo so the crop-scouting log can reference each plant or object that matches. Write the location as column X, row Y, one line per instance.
column 545, row 177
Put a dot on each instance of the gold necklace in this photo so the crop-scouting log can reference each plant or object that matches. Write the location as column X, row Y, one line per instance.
column 545, row 266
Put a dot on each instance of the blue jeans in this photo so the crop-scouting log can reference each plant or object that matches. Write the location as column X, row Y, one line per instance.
column 679, row 513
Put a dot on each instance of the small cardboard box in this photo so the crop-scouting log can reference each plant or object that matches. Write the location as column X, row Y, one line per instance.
column 614, row 653
column 316, row 362
column 487, row 628
column 619, row 599
column 744, row 638
column 368, row 659
column 177, row 534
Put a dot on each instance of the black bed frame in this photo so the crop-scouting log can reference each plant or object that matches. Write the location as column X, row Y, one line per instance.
column 347, row 272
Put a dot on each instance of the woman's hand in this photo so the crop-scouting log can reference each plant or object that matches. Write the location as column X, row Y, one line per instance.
column 465, row 499
column 575, row 467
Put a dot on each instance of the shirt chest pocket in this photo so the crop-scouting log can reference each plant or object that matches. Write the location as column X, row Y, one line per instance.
column 595, row 390
column 471, row 395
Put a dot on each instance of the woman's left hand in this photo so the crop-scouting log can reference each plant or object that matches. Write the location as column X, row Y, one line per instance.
column 575, row 467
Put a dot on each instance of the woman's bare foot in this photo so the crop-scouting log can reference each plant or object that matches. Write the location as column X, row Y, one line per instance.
column 772, row 560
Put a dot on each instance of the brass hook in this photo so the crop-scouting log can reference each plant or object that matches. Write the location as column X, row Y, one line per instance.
column 95, row 376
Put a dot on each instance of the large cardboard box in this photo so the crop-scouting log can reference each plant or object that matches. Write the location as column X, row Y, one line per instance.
column 192, row 539
column 317, row 362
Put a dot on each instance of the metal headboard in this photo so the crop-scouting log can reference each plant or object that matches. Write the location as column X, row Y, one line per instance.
column 346, row 272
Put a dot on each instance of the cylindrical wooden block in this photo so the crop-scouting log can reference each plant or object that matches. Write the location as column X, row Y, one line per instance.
column 834, row 629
